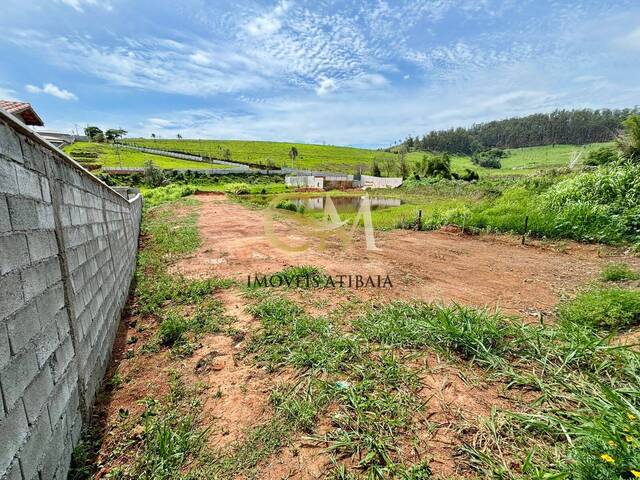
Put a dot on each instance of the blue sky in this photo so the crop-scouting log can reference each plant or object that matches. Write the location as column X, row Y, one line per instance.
column 361, row 73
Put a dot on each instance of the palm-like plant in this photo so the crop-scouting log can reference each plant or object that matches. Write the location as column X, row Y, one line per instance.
column 629, row 139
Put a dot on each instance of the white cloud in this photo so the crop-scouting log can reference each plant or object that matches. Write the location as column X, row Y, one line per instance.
column 54, row 91
column 325, row 86
column 201, row 58
column 270, row 22
column 78, row 5
column 154, row 64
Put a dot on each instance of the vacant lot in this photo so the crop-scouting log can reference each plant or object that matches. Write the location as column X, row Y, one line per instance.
column 212, row 379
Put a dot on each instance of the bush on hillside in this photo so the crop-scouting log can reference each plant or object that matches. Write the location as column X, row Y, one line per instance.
column 153, row 176
column 602, row 156
column 489, row 158
column 438, row 166
column 603, row 205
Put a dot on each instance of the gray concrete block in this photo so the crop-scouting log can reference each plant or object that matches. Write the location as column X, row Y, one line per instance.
column 5, row 349
column 46, row 190
column 35, row 447
column 16, row 376
column 8, row 177
column 62, row 359
column 13, row 430
column 46, row 343
column 46, row 221
column 13, row 252
column 10, row 143
column 23, row 326
column 28, row 183
column 59, row 400
column 14, row 472
column 37, row 393
column 23, row 213
column 5, row 220
column 37, row 278
column 12, row 297
column 33, row 155
column 50, row 303
column 55, row 452
column 42, row 245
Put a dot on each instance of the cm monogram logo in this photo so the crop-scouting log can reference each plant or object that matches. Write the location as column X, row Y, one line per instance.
column 316, row 230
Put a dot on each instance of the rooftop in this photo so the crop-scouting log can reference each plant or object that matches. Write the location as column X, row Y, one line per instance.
column 22, row 110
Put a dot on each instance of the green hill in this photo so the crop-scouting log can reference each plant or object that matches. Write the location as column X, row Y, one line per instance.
column 105, row 155
column 310, row 157
column 524, row 161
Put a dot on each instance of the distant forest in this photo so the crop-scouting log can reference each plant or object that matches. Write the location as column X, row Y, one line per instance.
column 559, row 127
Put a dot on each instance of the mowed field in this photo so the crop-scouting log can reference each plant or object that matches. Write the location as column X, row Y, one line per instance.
column 312, row 157
column 112, row 157
column 520, row 161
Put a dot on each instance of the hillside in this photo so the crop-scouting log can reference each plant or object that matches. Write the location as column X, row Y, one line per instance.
column 523, row 161
column 106, row 155
column 310, row 157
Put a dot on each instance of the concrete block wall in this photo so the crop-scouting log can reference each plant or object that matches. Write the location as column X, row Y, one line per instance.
column 67, row 255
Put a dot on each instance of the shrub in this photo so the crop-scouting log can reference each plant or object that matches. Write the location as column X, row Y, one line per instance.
column 489, row 158
column 612, row 308
column 469, row 175
column 602, row 156
column 616, row 272
column 603, row 205
column 153, row 176
column 438, row 166
column 172, row 329
column 290, row 205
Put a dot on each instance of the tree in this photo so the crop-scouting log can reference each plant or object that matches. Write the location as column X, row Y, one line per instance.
column 293, row 154
column 91, row 132
column 375, row 168
column 179, row 137
column 153, row 176
column 226, row 154
column 629, row 140
column 403, row 165
column 98, row 137
column 389, row 165
column 114, row 133
column 438, row 166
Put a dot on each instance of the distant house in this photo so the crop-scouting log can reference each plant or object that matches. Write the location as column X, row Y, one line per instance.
column 23, row 111
column 340, row 182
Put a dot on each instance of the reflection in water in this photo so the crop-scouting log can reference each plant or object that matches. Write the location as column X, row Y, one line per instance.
column 345, row 204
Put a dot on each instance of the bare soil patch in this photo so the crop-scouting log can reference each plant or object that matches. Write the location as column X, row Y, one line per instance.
column 484, row 270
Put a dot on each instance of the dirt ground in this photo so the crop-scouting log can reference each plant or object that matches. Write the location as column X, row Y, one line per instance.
column 445, row 265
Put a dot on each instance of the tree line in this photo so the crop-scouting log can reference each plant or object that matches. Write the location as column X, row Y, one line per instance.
column 576, row 127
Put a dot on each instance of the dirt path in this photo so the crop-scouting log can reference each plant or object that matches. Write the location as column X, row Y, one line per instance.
column 486, row 270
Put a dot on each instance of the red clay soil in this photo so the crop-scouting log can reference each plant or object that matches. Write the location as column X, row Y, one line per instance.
column 448, row 266
column 444, row 265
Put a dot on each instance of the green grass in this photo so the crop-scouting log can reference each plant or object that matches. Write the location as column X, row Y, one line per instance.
column 525, row 161
column 618, row 272
column 312, row 157
column 108, row 157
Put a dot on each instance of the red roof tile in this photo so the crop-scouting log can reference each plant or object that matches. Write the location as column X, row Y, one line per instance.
column 23, row 110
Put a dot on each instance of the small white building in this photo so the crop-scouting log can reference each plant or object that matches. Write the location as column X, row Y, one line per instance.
column 304, row 181
column 368, row 181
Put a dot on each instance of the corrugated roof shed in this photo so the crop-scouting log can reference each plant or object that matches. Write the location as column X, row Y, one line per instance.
column 22, row 110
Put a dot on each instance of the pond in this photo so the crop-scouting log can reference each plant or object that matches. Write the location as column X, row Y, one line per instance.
column 345, row 204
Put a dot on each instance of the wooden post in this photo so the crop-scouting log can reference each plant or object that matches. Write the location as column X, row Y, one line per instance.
column 526, row 226
column 419, row 221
